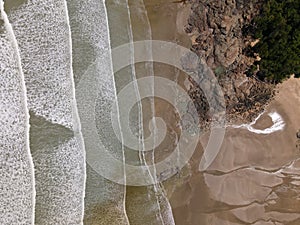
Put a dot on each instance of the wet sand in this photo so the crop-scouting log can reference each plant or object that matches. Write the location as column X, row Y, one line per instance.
column 263, row 122
column 255, row 177
column 167, row 20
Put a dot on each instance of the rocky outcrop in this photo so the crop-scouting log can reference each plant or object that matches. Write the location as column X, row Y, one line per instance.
column 217, row 30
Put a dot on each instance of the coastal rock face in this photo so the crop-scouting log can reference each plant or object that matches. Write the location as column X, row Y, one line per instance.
column 216, row 30
column 218, row 27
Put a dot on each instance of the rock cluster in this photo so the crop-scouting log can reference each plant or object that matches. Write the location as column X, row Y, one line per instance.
column 216, row 30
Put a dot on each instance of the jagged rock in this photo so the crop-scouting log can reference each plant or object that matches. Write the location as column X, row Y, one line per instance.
column 220, row 43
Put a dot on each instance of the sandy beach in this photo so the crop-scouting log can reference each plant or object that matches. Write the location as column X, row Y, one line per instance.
column 254, row 178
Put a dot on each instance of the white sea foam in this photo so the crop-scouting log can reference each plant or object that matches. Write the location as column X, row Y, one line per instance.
column 43, row 34
column 17, row 196
column 59, row 176
column 278, row 124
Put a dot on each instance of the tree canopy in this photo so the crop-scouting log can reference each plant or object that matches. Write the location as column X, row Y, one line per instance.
column 278, row 28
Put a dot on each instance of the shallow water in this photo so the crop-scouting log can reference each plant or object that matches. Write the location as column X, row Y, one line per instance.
column 145, row 205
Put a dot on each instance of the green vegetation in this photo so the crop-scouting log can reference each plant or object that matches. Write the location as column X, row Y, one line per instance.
column 219, row 70
column 278, row 28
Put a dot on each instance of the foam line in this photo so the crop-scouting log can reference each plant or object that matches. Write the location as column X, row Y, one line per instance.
column 163, row 205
